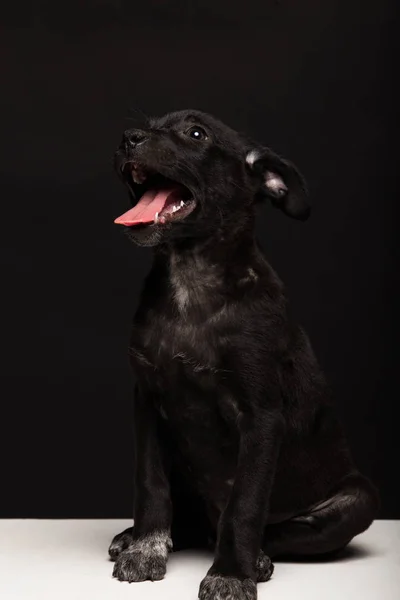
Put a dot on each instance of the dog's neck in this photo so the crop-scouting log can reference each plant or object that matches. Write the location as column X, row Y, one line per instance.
column 220, row 252
column 201, row 273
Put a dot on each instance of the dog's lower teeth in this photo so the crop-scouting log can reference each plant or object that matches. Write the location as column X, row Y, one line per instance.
column 161, row 218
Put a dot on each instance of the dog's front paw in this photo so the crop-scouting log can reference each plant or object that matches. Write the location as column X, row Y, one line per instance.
column 145, row 558
column 217, row 587
column 264, row 567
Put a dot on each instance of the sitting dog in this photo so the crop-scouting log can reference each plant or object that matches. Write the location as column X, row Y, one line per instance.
column 237, row 446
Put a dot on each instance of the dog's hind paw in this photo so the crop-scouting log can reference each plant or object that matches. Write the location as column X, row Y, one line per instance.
column 264, row 567
column 145, row 558
column 120, row 543
column 217, row 587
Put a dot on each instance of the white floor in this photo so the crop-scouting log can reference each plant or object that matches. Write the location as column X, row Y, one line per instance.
column 67, row 560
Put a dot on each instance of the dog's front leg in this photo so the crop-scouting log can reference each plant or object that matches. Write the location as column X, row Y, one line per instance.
column 238, row 563
column 147, row 552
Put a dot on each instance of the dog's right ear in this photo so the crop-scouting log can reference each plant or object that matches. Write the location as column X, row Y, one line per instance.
column 280, row 181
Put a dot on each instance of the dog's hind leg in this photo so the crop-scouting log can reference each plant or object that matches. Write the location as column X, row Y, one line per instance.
column 327, row 527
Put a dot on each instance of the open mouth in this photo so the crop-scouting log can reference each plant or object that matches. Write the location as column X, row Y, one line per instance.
column 160, row 200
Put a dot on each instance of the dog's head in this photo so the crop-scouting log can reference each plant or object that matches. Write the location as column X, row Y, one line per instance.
column 190, row 176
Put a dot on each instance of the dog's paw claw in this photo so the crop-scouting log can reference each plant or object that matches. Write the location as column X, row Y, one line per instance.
column 120, row 542
column 264, row 567
column 217, row 587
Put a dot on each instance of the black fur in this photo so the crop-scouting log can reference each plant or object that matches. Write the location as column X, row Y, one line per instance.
column 237, row 442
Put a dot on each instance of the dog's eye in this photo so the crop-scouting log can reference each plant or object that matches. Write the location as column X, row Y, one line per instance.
column 197, row 133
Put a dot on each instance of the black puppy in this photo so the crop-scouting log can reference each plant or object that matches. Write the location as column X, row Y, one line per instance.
column 237, row 443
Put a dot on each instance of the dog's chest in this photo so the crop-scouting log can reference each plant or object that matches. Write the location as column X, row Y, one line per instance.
column 183, row 363
column 181, row 335
column 171, row 351
column 185, row 360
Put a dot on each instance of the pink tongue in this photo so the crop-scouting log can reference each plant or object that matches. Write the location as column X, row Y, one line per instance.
column 152, row 202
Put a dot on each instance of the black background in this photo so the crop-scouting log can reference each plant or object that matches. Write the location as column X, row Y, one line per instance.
column 312, row 80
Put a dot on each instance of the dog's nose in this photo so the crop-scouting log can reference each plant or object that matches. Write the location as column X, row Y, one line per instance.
column 134, row 137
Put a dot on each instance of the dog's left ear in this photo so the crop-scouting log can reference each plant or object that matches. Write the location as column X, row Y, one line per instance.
column 280, row 181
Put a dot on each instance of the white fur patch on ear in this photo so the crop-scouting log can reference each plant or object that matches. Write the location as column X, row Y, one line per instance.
column 275, row 184
column 252, row 157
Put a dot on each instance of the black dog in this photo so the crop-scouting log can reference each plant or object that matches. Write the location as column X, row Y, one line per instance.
column 237, row 443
